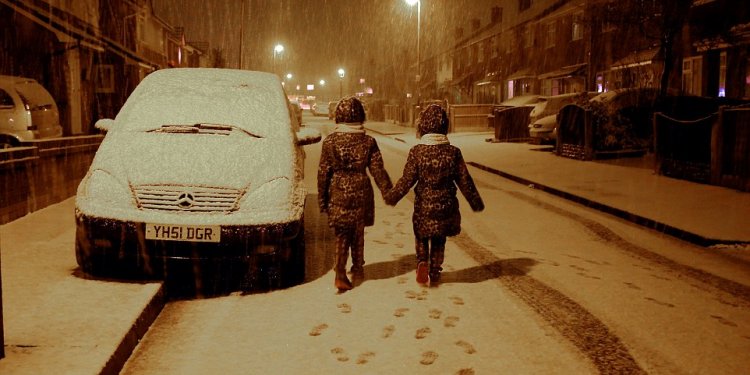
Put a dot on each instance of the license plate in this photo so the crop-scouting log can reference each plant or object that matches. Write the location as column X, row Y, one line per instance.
column 191, row 233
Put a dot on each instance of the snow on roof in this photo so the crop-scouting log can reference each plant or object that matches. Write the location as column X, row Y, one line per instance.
column 254, row 101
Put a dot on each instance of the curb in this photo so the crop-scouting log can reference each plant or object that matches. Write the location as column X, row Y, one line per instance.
column 134, row 335
column 678, row 233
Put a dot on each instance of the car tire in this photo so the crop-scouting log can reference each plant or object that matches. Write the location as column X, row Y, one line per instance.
column 293, row 270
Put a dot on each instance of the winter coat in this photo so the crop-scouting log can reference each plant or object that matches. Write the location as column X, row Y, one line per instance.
column 437, row 170
column 344, row 188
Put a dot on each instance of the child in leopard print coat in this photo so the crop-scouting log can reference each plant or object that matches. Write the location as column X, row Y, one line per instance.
column 344, row 188
column 438, row 169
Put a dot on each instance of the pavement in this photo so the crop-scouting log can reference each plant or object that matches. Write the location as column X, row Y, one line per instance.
column 46, row 332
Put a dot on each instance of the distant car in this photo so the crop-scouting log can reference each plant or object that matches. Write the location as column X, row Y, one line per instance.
column 297, row 110
column 27, row 112
column 520, row 100
column 199, row 173
column 332, row 110
column 542, row 119
column 319, row 109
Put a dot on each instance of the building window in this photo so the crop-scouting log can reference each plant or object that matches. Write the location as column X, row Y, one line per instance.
column 551, row 34
column 528, row 37
column 495, row 46
column 723, row 74
column 105, row 79
column 577, row 33
column 600, row 86
column 691, row 75
column 481, row 52
column 523, row 5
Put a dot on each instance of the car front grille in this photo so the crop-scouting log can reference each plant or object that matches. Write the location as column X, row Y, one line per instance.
column 186, row 198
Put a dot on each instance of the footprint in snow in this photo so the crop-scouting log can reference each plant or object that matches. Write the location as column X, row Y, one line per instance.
column 428, row 357
column 422, row 333
column 435, row 313
column 318, row 329
column 340, row 354
column 450, row 321
column 365, row 357
column 468, row 348
column 388, row 331
column 400, row 312
column 344, row 308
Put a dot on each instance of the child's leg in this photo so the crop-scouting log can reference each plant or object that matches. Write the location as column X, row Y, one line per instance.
column 358, row 250
column 422, row 246
column 343, row 242
column 423, row 255
column 437, row 255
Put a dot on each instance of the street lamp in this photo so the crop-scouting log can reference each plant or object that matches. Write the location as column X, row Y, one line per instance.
column 341, row 83
column 278, row 49
column 419, row 59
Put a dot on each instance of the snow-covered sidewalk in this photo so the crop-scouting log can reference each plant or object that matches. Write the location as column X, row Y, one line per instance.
column 626, row 187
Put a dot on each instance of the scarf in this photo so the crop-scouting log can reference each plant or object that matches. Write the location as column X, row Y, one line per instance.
column 434, row 139
column 349, row 128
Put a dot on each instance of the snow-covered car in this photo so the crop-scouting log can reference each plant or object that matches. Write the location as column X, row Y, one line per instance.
column 332, row 110
column 542, row 119
column 544, row 129
column 200, row 173
column 320, row 109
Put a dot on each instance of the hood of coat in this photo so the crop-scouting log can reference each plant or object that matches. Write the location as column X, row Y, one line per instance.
column 433, row 120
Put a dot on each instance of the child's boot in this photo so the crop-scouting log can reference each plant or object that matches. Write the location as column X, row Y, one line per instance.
column 437, row 255
column 341, row 282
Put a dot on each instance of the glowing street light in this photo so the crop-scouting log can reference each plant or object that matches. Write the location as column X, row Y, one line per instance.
column 322, row 82
column 341, row 82
column 278, row 49
column 289, row 76
column 419, row 59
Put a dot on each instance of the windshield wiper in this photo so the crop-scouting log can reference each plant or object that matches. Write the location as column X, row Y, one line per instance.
column 202, row 128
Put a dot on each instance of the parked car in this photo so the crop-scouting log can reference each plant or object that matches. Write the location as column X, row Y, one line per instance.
column 319, row 109
column 520, row 100
column 296, row 110
column 332, row 110
column 542, row 119
column 200, row 174
column 27, row 112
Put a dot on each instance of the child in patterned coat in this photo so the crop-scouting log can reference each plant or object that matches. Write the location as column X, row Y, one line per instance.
column 344, row 188
column 438, row 170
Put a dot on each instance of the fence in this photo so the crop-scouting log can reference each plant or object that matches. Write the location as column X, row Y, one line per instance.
column 395, row 114
column 43, row 172
column 682, row 149
column 730, row 146
column 469, row 117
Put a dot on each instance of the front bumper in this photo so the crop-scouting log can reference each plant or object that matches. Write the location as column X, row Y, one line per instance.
column 115, row 248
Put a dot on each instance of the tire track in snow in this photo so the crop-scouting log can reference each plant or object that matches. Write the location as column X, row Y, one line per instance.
column 708, row 280
column 592, row 337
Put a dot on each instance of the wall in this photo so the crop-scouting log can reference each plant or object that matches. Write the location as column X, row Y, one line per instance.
column 41, row 173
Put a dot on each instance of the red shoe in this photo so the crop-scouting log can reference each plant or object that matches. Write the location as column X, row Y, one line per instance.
column 422, row 273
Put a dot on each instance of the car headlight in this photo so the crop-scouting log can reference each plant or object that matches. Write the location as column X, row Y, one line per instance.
column 102, row 187
column 272, row 195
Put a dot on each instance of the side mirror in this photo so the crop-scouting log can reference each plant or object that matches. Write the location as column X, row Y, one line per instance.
column 104, row 124
column 308, row 136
